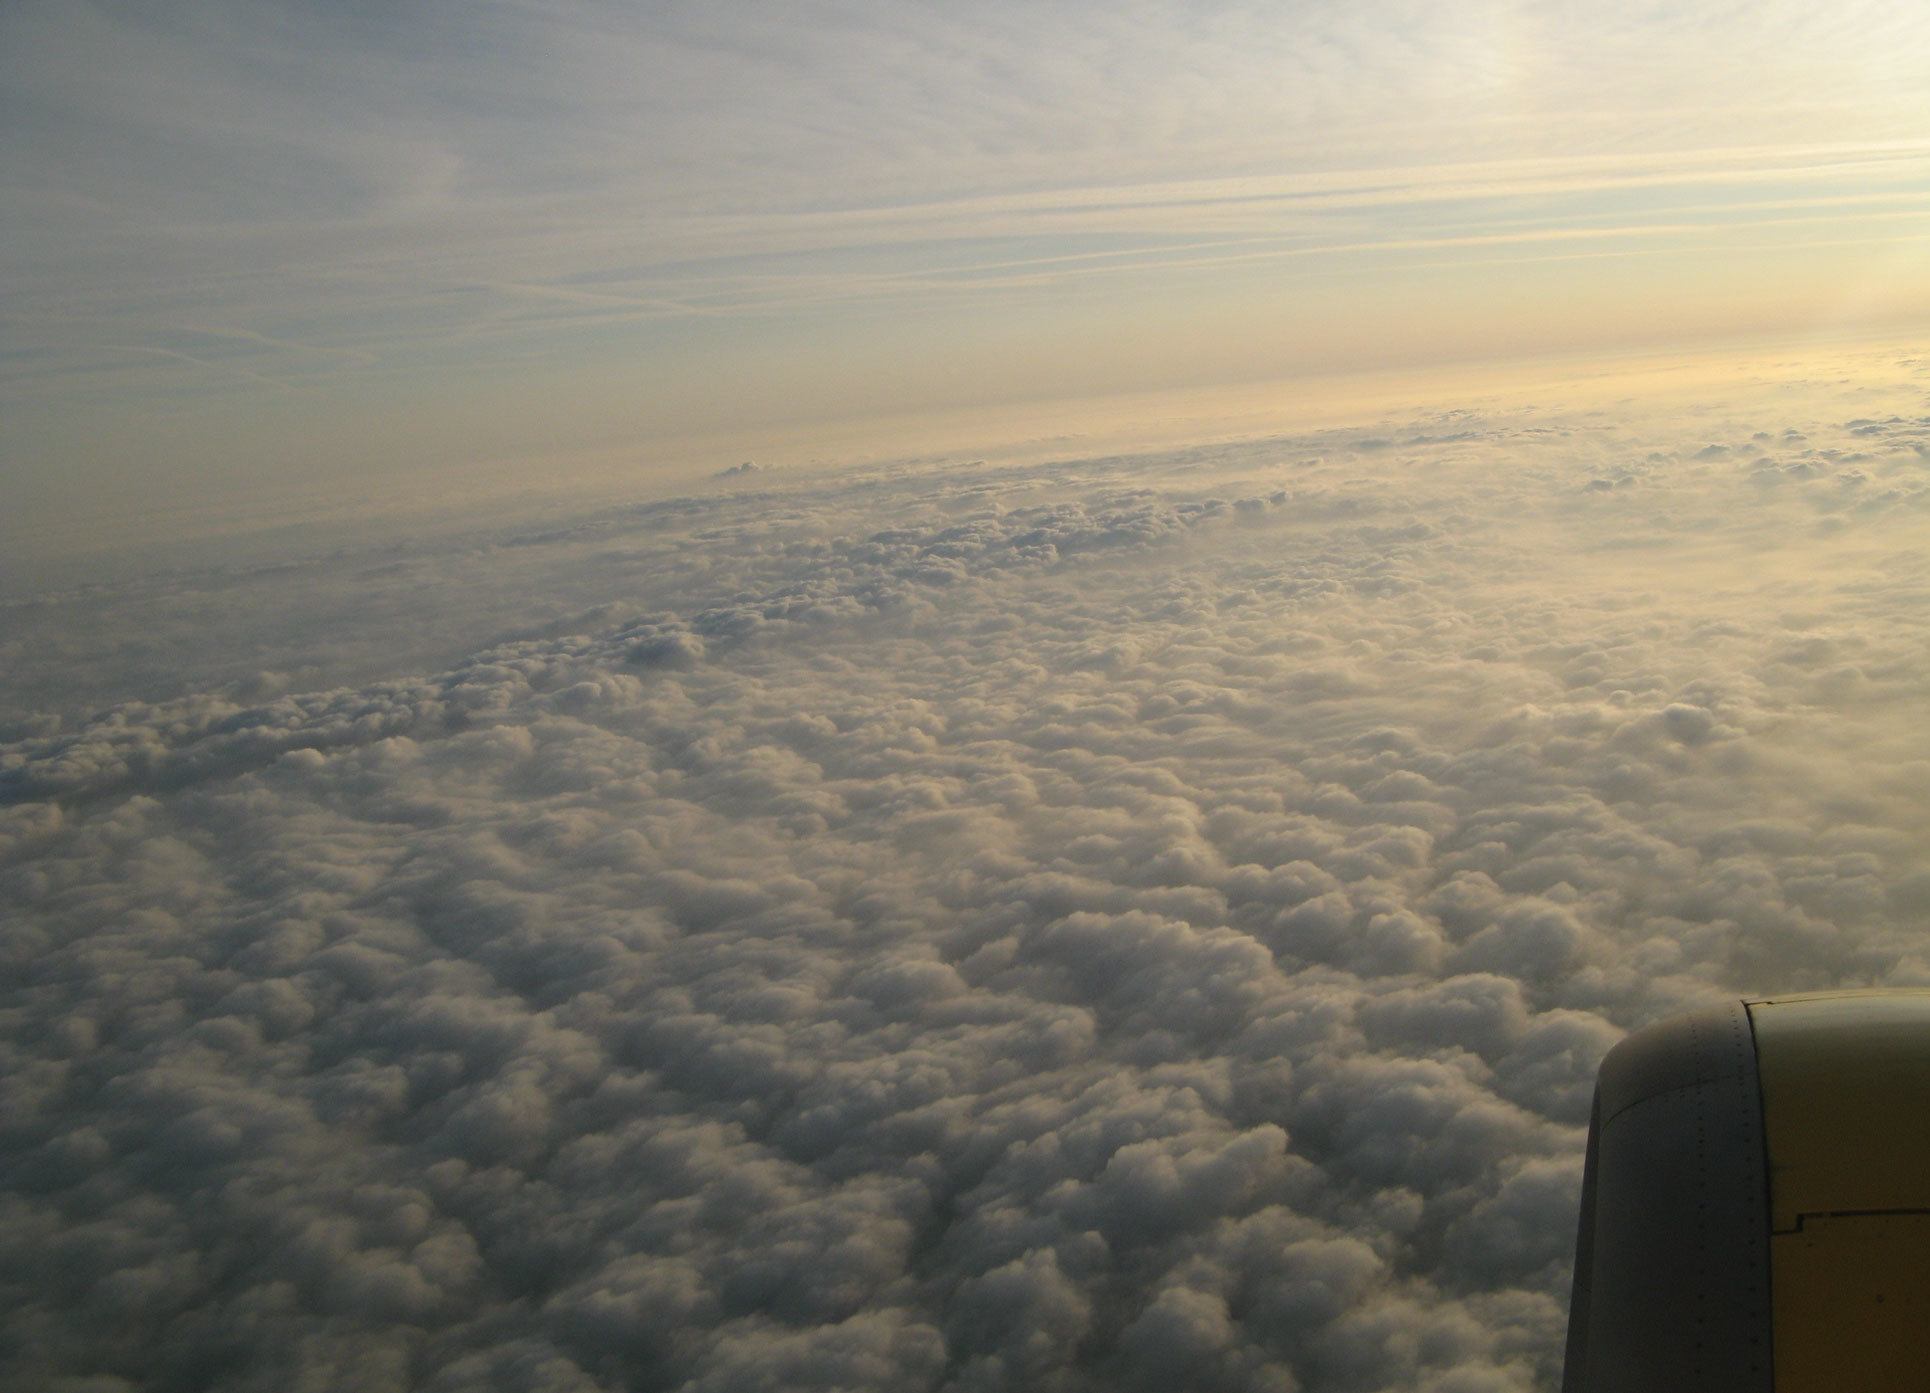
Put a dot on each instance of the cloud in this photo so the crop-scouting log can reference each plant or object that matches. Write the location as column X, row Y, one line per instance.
column 1133, row 922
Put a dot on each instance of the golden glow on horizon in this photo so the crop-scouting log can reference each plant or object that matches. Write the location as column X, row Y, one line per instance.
column 476, row 477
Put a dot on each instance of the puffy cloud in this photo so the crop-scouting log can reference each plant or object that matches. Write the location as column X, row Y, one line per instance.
column 1140, row 922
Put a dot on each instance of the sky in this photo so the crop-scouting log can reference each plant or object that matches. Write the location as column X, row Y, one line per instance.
column 841, row 699
column 257, row 251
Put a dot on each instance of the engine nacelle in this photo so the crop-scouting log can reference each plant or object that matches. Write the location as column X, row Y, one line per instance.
column 1756, row 1205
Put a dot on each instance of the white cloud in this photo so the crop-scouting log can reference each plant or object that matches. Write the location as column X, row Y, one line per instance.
column 1145, row 921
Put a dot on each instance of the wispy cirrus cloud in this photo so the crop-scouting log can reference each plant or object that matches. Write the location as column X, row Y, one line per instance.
column 394, row 190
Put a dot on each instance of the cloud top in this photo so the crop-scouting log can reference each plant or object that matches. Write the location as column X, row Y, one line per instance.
column 1135, row 923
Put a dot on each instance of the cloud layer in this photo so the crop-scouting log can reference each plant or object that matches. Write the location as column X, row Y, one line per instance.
column 1139, row 923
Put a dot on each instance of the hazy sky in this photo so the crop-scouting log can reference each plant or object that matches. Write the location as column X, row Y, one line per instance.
column 252, row 244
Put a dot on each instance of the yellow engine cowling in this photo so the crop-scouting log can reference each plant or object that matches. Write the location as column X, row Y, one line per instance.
column 1756, row 1207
